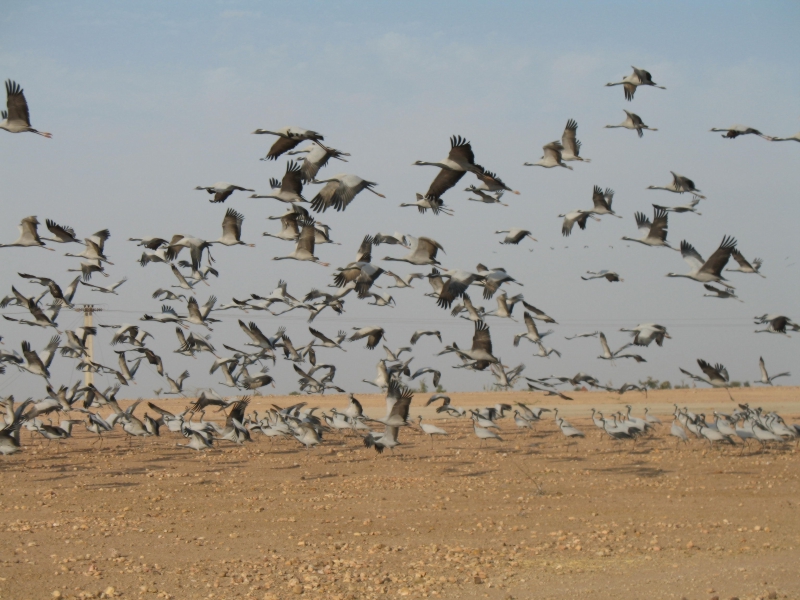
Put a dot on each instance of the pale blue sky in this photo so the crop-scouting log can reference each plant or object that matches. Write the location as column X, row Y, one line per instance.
column 147, row 100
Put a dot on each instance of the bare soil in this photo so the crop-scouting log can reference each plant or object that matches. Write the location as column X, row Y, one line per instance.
column 528, row 517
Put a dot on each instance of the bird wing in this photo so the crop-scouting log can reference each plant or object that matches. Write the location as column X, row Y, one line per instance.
column 32, row 358
column 181, row 337
column 598, row 199
column 100, row 237
column 320, row 335
column 691, row 256
column 541, row 315
column 155, row 243
column 208, row 306
column 717, row 261
column 568, row 140
column 312, row 165
column 393, row 394
column 642, row 222
column 37, row 312
column 502, row 305
column 288, row 347
column 583, row 218
column 289, row 223
column 444, row 180
column 692, row 375
column 643, row 75
column 566, row 226
column 630, row 90
column 779, row 324
column 608, row 196
column 762, row 366
column 292, row 180
column 255, row 334
column 92, row 285
column 196, row 254
column 114, row 286
column 344, row 276
column 739, row 258
column 16, row 104
column 421, row 371
column 461, row 150
column 436, row 397
column 398, row 400
column 682, row 183
column 364, row 253
column 281, row 145
column 193, row 309
column 49, row 351
column 519, row 236
column 374, row 337
column 481, row 339
column 451, row 290
column 553, row 151
column 530, row 325
column 28, row 227
column 232, row 224
column 344, row 195
column 306, row 239
column 357, row 405
column 325, row 197
column 181, row 278
column 711, row 372
column 658, row 229
column 226, row 373
column 70, row 291
column 62, row 232
column 427, row 247
column 604, row 344
column 40, row 280
column 490, row 178
column 302, row 373
column 635, row 119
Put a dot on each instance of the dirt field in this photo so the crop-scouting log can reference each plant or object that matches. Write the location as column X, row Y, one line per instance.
column 523, row 518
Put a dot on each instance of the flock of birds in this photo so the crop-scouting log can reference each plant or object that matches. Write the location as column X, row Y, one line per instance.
column 300, row 422
column 449, row 289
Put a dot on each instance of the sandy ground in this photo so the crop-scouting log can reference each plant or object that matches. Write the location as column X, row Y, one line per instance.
column 527, row 517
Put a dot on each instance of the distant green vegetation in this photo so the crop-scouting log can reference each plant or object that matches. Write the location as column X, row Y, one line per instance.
column 423, row 387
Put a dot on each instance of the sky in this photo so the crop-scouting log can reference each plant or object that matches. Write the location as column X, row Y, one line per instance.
column 147, row 100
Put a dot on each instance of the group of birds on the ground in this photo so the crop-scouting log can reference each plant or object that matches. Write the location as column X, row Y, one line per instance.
column 449, row 287
column 309, row 428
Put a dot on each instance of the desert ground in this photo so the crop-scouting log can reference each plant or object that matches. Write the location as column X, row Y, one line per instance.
column 527, row 517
